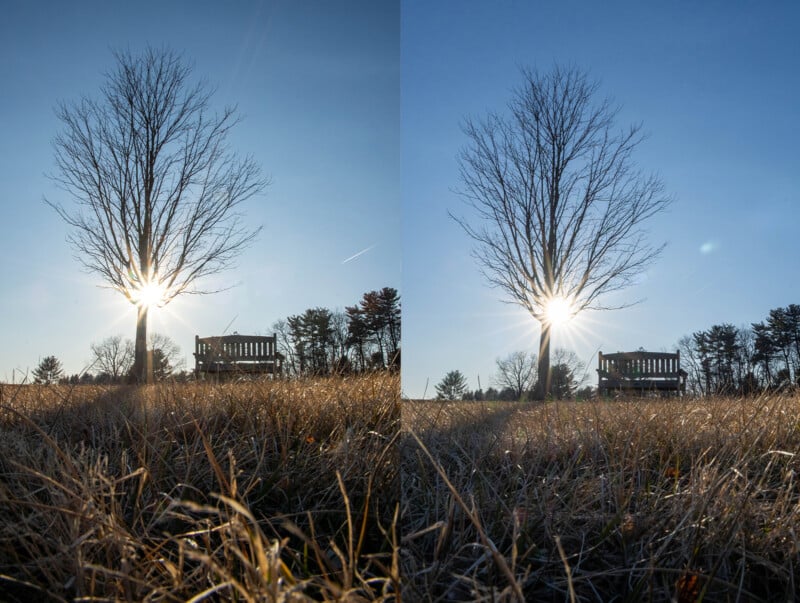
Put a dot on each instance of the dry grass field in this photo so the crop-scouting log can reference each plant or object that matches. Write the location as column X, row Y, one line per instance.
column 312, row 491
column 277, row 491
column 637, row 500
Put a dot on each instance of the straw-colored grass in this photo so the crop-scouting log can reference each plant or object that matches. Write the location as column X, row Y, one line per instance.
column 638, row 500
column 309, row 491
column 276, row 491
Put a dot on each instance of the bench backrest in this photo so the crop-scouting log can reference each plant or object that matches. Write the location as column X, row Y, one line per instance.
column 642, row 365
column 234, row 348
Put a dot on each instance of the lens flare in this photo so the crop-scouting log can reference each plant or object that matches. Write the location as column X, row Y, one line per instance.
column 558, row 311
column 150, row 295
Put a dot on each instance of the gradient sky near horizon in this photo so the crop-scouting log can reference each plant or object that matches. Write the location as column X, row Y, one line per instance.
column 353, row 109
column 714, row 84
column 317, row 85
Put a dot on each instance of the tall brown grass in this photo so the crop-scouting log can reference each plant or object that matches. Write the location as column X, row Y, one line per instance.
column 310, row 491
column 638, row 500
column 276, row 491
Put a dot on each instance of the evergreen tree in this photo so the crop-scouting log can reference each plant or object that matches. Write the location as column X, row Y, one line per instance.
column 452, row 387
column 358, row 334
column 376, row 321
column 48, row 371
column 389, row 305
column 162, row 368
column 312, row 335
column 563, row 383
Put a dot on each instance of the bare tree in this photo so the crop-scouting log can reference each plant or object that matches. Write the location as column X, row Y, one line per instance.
column 166, row 355
column 113, row 356
column 285, row 346
column 558, row 199
column 568, row 372
column 156, row 187
column 517, row 372
column 340, row 342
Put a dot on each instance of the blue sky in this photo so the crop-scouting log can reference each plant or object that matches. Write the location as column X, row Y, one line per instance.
column 715, row 86
column 353, row 109
column 318, row 87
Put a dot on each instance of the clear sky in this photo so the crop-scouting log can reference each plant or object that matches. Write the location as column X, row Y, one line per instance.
column 716, row 87
column 318, row 87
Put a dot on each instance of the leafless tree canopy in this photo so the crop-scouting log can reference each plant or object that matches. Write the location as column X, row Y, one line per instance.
column 560, row 204
column 113, row 356
column 157, row 190
column 517, row 371
column 169, row 350
column 156, row 187
column 560, row 199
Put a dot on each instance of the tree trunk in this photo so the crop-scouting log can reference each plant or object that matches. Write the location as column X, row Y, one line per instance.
column 543, row 383
column 142, row 371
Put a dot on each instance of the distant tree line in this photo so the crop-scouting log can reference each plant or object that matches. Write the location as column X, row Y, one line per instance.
column 730, row 360
column 516, row 379
column 113, row 362
column 362, row 337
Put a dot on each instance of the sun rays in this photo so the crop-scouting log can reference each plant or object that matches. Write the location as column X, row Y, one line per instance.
column 150, row 295
column 558, row 311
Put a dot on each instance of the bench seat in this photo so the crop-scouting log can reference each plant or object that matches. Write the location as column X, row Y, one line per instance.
column 640, row 372
column 237, row 354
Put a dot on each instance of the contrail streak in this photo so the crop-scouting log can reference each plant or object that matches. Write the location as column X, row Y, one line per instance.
column 362, row 252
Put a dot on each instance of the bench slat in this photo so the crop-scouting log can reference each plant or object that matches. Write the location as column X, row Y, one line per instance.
column 237, row 353
column 640, row 370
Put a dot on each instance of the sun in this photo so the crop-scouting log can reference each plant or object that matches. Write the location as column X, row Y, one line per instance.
column 558, row 311
column 150, row 295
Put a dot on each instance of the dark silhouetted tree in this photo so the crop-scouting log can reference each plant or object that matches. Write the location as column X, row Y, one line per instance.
column 113, row 356
column 158, row 192
column 690, row 362
column 389, row 304
column 776, row 346
column 312, row 337
column 558, row 201
column 165, row 356
column 491, row 394
column 567, row 374
column 452, row 387
column 374, row 329
column 517, row 372
column 285, row 346
column 784, row 330
column 764, row 352
column 340, row 343
column 358, row 335
column 718, row 350
column 725, row 359
column 49, row 370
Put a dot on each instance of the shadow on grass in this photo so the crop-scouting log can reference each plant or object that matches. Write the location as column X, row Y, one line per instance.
column 139, row 492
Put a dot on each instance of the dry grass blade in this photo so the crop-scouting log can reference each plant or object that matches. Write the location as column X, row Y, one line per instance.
column 224, row 485
column 595, row 500
column 210, row 591
column 499, row 560
column 567, row 569
column 123, row 494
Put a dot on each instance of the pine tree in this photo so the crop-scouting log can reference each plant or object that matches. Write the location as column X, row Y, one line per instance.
column 452, row 387
column 48, row 371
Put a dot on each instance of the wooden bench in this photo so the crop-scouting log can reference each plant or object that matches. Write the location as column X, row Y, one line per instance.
column 236, row 354
column 640, row 372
